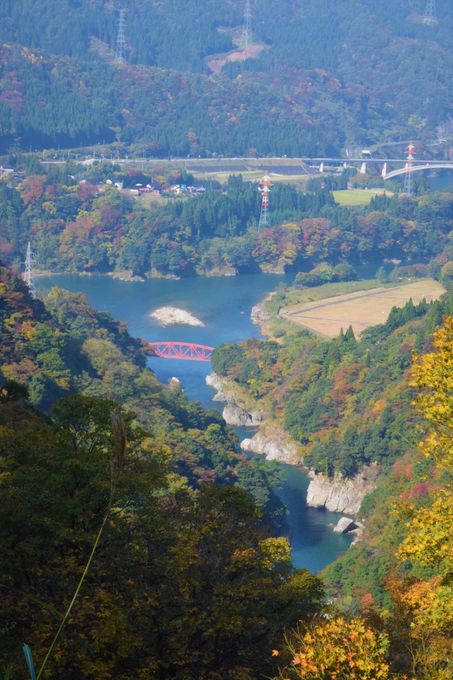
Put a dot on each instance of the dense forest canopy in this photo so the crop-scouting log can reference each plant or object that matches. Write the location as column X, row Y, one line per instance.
column 330, row 74
column 78, row 222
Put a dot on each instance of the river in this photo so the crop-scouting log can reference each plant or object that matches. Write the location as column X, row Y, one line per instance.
column 224, row 305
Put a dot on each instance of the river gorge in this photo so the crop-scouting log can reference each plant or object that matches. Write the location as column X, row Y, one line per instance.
column 223, row 306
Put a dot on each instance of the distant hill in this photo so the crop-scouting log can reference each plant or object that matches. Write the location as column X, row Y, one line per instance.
column 331, row 74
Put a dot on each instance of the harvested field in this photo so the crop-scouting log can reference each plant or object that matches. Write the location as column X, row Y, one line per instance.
column 361, row 309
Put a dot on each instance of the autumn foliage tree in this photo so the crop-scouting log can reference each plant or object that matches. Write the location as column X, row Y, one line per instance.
column 185, row 583
column 334, row 649
column 412, row 558
column 423, row 597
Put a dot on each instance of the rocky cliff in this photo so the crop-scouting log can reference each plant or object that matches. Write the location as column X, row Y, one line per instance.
column 339, row 494
column 272, row 442
column 236, row 412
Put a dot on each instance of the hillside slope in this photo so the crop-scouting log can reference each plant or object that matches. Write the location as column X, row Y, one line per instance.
column 332, row 74
column 66, row 347
column 186, row 569
column 346, row 403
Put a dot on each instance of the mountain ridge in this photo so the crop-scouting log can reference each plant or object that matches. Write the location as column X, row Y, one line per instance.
column 331, row 76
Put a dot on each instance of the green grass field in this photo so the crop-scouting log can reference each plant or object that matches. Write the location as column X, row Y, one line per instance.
column 353, row 197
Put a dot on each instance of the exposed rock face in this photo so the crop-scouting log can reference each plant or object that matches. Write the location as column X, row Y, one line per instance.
column 274, row 444
column 277, row 268
column 259, row 314
column 126, row 275
column 213, row 380
column 224, row 270
column 339, row 494
column 168, row 316
column 233, row 413
column 174, row 383
column 358, row 532
column 344, row 525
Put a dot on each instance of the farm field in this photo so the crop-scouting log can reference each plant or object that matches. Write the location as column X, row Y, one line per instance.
column 353, row 197
column 360, row 309
column 254, row 176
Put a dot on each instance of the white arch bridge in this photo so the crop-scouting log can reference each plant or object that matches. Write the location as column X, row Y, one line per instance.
column 446, row 165
column 336, row 165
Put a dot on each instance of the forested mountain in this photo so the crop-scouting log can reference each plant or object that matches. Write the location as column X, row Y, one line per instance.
column 329, row 74
column 128, row 516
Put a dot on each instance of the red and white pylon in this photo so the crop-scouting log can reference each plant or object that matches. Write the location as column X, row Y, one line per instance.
column 410, row 153
column 265, row 189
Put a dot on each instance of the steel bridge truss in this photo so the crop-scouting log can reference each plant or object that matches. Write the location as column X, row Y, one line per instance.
column 186, row 351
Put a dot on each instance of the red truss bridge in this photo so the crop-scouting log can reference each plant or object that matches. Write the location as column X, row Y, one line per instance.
column 187, row 351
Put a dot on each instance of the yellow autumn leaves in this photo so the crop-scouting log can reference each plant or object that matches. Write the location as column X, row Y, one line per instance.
column 332, row 649
column 432, row 374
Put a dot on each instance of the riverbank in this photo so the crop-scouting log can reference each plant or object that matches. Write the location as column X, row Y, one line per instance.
column 128, row 276
column 262, row 318
column 336, row 494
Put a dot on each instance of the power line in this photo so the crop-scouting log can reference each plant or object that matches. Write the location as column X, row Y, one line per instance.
column 408, row 188
column 120, row 51
column 28, row 273
column 247, row 30
column 430, row 15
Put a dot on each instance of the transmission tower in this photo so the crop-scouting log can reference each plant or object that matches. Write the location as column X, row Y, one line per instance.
column 265, row 189
column 28, row 273
column 430, row 15
column 247, row 30
column 121, row 37
column 408, row 186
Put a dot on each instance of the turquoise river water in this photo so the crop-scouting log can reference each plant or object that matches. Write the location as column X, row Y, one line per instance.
column 224, row 306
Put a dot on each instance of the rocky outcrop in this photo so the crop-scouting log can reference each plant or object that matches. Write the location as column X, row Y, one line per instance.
column 344, row 525
column 221, row 270
column 340, row 494
column 168, row 316
column 259, row 315
column 275, row 268
column 216, row 382
column 274, row 443
column 233, row 413
column 125, row 275
column 337, row 494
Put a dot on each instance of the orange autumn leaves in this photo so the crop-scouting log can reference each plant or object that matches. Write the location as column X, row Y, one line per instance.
column 332, row 649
